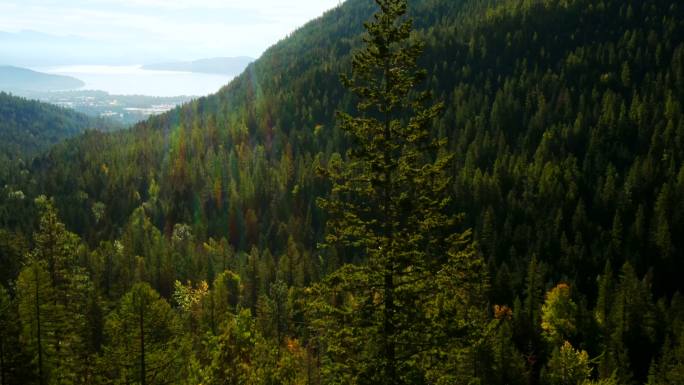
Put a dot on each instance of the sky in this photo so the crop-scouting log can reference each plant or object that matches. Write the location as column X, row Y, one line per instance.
column 149, row 30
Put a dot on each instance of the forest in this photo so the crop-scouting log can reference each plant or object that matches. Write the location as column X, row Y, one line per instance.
column 399, row 192
column 29, row 128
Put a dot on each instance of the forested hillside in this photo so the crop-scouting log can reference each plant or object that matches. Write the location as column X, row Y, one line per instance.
column 28, row 128
column 564, row 118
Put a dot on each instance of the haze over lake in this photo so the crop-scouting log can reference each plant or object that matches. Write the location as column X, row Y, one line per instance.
column 133, row 80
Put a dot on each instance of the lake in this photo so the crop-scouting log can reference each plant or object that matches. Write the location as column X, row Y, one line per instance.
column 133, row 80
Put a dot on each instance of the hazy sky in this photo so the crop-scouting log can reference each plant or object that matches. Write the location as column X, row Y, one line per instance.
column 173, row 29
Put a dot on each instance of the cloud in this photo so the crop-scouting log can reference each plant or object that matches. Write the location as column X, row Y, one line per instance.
column 184, row 29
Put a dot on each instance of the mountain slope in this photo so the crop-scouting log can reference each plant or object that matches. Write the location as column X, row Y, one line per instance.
column 525, row 86
column 566, row 120
column 22, row 79
column 29, row 127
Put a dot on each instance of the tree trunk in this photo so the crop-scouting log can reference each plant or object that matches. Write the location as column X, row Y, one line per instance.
column 388, row 327
column 2, row 362
column 41, row 380
column 390, row 370
column 142, row 346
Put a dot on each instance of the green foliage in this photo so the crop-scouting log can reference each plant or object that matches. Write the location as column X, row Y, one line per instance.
column 143, row 341
column 5, row 328
column 461, row 332
column 508, row 366
column 35, row 298
column 222, row 300
column 28, row 127
column 55, row 245
column 57, row 304
column 13, row 248
column 565, row 119
column 567, row 366
column 14, row 363
column 388, row 204
column 559, row 314
column 234, row 361
column 669, row 368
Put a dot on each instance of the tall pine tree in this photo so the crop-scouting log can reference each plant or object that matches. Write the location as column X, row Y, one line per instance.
column 388, row 205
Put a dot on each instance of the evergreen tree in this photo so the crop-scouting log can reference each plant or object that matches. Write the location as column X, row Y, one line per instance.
column 5, row 319
column 558, row 315
column 36, row 308
column 234, row 358
column 567, row 120
column 14, row 364
column 388, row 205
column 222, row 300
column 602, row 312
column 143, row 344
column 567, row 366
column 55, row 296
column 12, row 251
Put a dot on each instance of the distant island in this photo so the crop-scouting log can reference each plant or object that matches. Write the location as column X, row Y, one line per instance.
column 217, row 65
column 21, row 79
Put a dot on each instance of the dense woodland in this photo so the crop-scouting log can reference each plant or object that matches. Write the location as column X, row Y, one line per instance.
column 523, row 226
column 28, row 128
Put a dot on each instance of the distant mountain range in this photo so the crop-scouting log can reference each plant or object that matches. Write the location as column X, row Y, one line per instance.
column 35, row 49
column 217, row 65
column 565, row 121
column 22, row 79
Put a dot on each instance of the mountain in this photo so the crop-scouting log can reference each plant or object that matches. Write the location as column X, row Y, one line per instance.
column 566, row 120
column 29, row 127
column 22, row 79
column 219, row 65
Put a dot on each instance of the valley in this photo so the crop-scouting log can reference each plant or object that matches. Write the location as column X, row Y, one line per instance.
column 124, row 94
column 396, row 192
column 124, row 109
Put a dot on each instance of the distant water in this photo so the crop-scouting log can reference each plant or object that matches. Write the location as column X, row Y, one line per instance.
column 133, row 80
